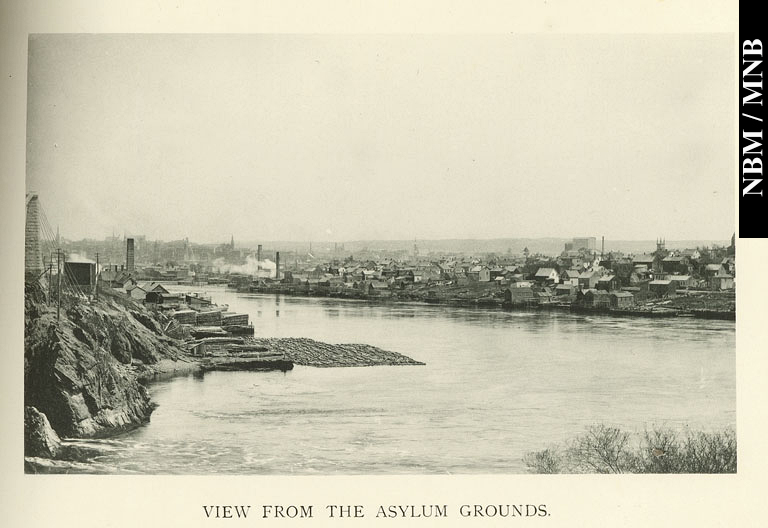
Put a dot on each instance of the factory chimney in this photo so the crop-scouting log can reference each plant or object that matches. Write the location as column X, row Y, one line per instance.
column 129, row 255
column 277, row 265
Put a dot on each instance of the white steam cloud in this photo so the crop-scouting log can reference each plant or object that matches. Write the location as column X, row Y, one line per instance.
column 252, row 266
column 79, row 257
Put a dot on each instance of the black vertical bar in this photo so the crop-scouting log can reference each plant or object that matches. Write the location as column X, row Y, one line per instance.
column 752, row 192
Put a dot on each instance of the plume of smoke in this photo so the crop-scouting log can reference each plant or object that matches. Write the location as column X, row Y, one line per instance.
column 252, row 266
column 79, row 257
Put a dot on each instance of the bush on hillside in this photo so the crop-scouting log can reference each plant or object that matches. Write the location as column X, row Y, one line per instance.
column 603, row 449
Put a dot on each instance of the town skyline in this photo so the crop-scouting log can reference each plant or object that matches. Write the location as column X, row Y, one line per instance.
column 396, row 243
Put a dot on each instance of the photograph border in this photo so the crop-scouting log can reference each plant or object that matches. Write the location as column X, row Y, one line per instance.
column 627, row 500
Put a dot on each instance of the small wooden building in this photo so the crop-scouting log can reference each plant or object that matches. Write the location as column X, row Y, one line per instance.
column 588, row 279
column 622, row 299
column 377, row 289
column 547, row 276
column 597, row 299
column 515, row 295
column 608, row 283
column 662, row 288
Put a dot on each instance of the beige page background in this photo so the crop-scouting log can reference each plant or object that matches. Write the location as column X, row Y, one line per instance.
column 85, row 500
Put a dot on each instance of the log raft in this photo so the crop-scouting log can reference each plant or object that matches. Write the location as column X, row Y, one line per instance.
column 248, row 353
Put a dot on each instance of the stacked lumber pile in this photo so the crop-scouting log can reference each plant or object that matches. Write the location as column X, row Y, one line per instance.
column 212, row 318
column 234, row 319
column 185, row 316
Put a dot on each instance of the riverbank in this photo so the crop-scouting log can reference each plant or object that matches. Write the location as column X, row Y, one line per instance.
column 697, row 304
column 460, row 415
column 87, row 364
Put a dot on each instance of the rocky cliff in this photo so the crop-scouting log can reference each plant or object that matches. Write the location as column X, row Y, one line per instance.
column 81, row 372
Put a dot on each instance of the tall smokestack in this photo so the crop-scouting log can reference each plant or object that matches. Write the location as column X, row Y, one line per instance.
column 277, row 265
column 602, row 247
column 129, row 254
column 258, row 254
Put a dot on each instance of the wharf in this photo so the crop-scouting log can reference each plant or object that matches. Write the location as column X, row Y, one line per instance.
column 247, row 362
column 237, row 353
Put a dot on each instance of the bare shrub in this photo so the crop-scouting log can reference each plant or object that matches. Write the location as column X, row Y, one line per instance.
column 660, row 452
column 603, row 449
column 548, row 461
column 710, row 452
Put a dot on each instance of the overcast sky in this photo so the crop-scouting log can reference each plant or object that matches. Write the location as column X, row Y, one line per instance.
column 326, row 137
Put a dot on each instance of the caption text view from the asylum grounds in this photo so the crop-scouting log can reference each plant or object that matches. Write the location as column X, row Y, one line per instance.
column 219, row 228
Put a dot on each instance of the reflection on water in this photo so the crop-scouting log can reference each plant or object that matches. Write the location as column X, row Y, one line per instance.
column 496, row 385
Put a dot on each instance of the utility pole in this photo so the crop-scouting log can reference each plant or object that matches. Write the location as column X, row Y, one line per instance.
column 97, row 276
column 58, row 277
column 50, row 279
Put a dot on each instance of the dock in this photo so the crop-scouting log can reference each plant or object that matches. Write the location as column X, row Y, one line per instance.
column 237, row 353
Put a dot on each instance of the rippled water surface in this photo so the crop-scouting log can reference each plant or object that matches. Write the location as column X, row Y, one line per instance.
column 495, row 386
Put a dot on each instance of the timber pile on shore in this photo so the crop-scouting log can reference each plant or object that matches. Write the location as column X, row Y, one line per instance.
column 313, row 353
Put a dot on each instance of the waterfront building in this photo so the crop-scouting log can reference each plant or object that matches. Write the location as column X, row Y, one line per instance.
column 376, row 288
column 622, row 299
column 565, row 289
column 596, row 299
column 516, row 295
column 662, row 288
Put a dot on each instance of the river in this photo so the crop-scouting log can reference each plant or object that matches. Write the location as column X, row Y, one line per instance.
column 496, row 385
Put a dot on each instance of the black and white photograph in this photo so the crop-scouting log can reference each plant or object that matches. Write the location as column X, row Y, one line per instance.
column 365, row 267
column 298, row 254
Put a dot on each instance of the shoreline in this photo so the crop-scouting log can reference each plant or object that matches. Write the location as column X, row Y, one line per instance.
column 86, row 373
column 167, row 369
column 494, row 304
